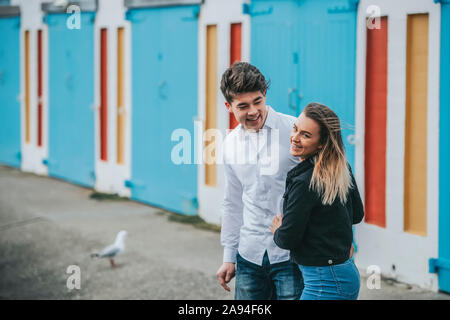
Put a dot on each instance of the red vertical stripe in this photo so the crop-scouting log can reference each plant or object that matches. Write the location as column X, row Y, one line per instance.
column 375, row 125
column 235, row 42
column 103, row 95
column 39, row 80
column 235, row 55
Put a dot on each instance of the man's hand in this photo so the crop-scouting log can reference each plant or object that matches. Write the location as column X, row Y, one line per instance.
column 225, row 273
column 276, row 223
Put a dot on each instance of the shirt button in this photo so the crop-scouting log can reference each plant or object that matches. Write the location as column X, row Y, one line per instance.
column 330, row 261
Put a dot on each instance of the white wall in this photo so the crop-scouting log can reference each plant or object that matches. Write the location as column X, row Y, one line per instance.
column 31, row 19
column 220, row 13
column 389, row 246
column 110, row 175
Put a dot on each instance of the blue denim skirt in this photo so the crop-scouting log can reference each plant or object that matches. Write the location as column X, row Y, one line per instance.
column 335, row 282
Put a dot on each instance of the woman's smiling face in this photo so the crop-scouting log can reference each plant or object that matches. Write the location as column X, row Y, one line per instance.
column 305, row 137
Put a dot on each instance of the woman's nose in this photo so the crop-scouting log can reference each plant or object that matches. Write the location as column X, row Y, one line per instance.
column 295, row 137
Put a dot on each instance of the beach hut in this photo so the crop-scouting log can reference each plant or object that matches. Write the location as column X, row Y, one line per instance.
column 71, row 87
column 306, row 49
column 164, row 68
column 397, row 125
column 10, row 129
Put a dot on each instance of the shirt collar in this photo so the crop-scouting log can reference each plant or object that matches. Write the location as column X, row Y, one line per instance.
column 270, row 119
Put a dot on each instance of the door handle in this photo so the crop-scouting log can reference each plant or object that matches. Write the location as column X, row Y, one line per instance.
column 161, row 86
column 68, row 80
column 291, row 91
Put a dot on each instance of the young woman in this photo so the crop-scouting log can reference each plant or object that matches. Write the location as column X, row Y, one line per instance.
column 321, row 203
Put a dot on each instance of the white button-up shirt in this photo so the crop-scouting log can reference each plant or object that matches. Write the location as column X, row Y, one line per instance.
column 256, row 166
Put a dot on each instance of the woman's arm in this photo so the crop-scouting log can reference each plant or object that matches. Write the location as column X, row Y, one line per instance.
column 296, row 213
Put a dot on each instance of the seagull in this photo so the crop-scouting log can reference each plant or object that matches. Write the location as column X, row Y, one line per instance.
column 114, row 249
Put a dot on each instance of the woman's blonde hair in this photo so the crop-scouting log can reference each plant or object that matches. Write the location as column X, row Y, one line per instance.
column 331, row 176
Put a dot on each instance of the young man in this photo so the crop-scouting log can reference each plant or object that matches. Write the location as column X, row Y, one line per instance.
column 256, row 160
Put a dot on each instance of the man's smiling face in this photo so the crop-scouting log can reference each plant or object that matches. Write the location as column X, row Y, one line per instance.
column 249, row 109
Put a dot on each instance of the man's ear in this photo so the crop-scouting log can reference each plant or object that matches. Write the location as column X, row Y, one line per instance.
column 228, row 107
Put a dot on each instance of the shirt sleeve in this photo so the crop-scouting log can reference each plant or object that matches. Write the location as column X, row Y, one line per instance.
column 358, row 208
column 232, row 211
column 296, row 214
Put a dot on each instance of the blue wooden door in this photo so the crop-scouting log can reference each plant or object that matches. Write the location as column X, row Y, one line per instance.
column 274, row 51
column 442, row 264
column 71, row 98
column 164, row 95
column 308, row 51
column 9, row 91
column 327, row 42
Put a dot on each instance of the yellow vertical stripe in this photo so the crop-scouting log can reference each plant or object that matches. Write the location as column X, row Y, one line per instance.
column 120, row 96
column 211, row 98
column 415, row 184
column 27, row 86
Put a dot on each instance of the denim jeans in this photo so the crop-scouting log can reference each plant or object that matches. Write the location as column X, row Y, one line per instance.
column 335, row 282
column 278, row 281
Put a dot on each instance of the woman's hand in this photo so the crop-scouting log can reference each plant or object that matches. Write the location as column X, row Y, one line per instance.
column 276, row 223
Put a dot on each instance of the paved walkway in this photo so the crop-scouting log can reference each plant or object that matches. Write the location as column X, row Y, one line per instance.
column 47, row 225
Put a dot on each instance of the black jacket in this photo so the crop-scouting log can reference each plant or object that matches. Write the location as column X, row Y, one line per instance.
column 316, row 234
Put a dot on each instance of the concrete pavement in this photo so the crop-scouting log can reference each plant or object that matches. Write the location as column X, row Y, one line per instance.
column 47, row 225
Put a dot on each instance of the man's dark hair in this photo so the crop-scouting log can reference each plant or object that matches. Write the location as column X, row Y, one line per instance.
column 242, row 77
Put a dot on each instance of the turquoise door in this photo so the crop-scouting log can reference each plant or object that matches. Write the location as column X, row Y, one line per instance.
column 308, row 51
column 164, row 95
column 442, row 264
column 71, row 98
column 275, row 53
column 10, row 91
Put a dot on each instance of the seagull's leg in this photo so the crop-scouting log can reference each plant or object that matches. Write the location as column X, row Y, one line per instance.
column 112, row 263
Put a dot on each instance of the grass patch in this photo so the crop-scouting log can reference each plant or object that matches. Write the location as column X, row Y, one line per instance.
column 195, row 221
column 100, row 196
